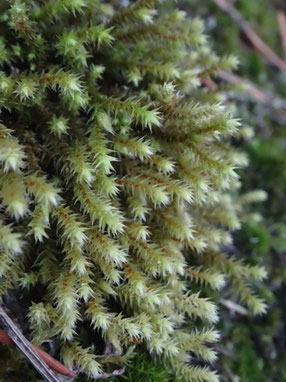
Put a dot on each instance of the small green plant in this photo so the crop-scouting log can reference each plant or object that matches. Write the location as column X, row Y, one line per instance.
column 118, row 183
column 144, row 369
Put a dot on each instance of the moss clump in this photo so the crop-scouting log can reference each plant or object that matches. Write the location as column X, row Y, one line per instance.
column 118, row 184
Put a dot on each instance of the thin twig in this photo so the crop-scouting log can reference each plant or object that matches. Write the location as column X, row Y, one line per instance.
column 113, row 374
column 273, row 101
column 27, row 350
column 234, row 307
column 210, row 83
column 268, row 98
column 49, row 360
column 256, row 40
column 281, row 17
column 226, row 352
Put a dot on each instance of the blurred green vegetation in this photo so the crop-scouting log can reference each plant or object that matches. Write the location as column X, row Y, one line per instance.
column 13, row 366
column 255, row 349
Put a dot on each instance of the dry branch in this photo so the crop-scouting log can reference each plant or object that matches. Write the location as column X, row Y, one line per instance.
column 270, row 99
column 27, row 350
column 112, row 374
column 253, row 37
column 282, row 28
column 234, row 307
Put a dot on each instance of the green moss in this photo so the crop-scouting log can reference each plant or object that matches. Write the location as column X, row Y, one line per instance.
column 125, row 193
column 144, row 369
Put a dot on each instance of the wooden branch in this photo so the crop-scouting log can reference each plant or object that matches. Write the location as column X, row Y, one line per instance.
column 270, row 99
column 234, row 307
column 28, row 351
column 281, row 17
column 226, row 352
column 210, row 83
column 113, row 374
column 49, row 360
column 253, row 37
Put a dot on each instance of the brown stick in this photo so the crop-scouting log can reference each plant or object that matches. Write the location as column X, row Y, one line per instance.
column 234, row 307
column 272, row 100
column 108, row 375
column 210, row 83
column 27, row 350
column 282, row 27
column 49, row 360
column 268, row 98
column 253, row 37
